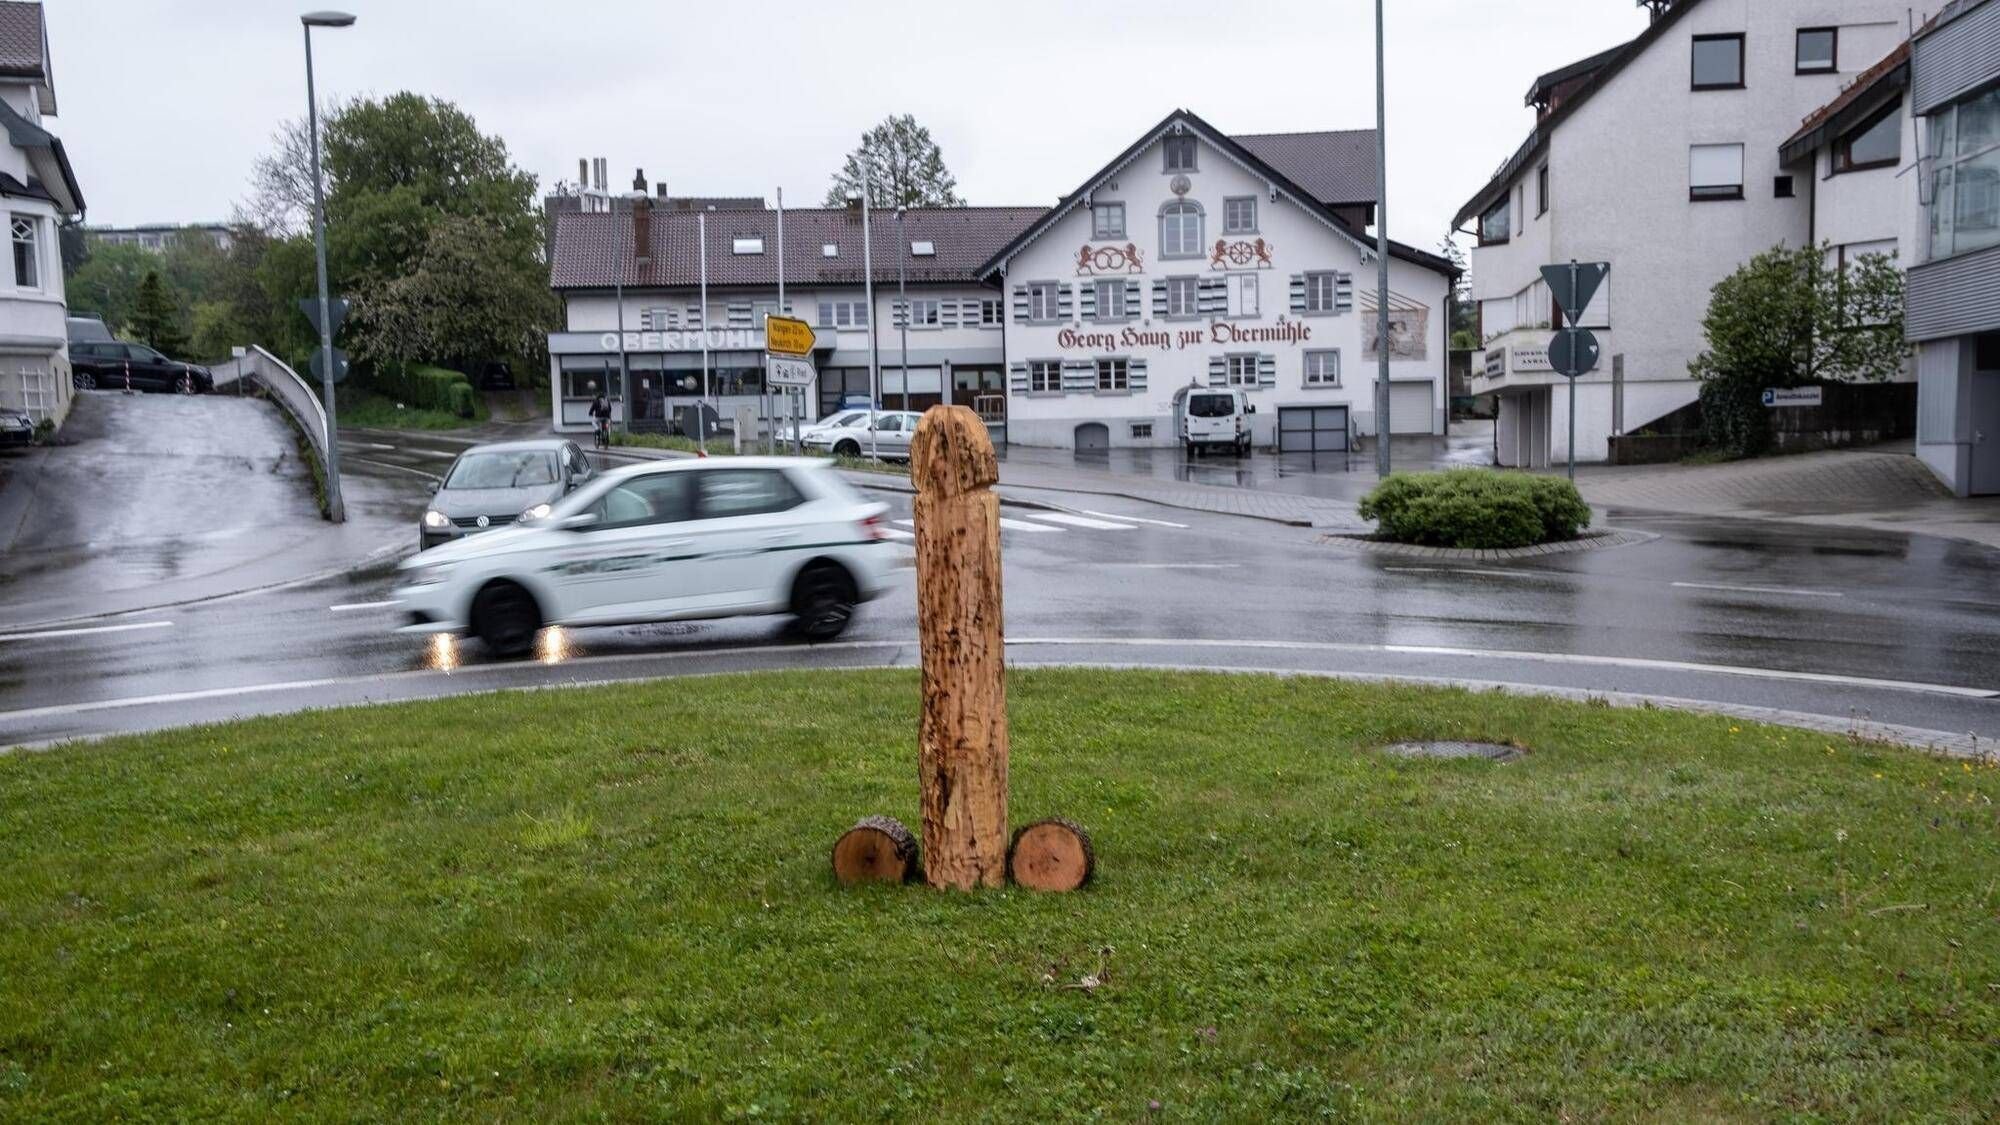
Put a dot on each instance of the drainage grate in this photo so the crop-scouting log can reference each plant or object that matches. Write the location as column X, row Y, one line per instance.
column 1491, row 751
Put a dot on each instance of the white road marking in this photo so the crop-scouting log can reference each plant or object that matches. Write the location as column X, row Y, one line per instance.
column 350, row 607
column 367, row 445
column 1079, row 521
column 45, row 633
column 1023, row 525
column 398, row 468
column 1171, row 566
column 1781, row 590
column 431, row 453
column 1135, row 519
column 1460, row 570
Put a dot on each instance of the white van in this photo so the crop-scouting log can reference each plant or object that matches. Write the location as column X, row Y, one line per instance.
column 1213, row 418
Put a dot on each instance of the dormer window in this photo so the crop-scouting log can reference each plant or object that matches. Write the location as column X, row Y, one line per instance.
column 923, row 249
column 747, row 244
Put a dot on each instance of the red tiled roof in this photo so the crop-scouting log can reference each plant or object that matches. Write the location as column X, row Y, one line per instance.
column 1853, row 92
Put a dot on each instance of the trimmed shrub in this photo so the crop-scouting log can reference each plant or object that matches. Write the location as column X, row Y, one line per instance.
column 461, row 399
column 425, row 388
column 1476, row 509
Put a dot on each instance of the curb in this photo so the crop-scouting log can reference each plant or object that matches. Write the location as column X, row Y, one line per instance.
column 1603, row 540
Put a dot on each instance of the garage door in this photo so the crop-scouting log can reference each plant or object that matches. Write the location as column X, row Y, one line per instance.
column 1312, row 429
column 1410, row 408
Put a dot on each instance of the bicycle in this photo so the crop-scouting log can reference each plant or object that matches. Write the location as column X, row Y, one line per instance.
column 603, row 433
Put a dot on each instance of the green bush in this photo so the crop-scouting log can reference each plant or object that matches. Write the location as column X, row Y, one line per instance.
column 461, row 399
column 423, row 387
column 1476, row 509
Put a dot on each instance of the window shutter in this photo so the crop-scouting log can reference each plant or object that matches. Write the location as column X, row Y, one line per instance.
column 1017, row 378
column 1137, row 373
column 1020, row 304
column 1089, row 301
column 1298, row 293
column 1218, row 371
column 739, row 314
column 1214, row 295
column 899, row 314
column 694, row 317
column 1343, row 293
column 1159, row 298
column 1267, row 371
column 1065, row 302
column 1132, row 299
column 947, row 314
column 1079, row 375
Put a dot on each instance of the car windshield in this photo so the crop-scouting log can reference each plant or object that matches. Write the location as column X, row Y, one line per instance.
column 1211, row 406
column 519, row 468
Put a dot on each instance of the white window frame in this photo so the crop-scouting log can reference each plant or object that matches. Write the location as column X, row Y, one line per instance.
column 1330, row 357
column 1708, row 175
column 1229, row 214
column 1182, row 247
column 1245, row 296
column 1044, row 376
column 843, row 314
column 1114, row 374
column 926, row 312
column 1044, row 302
column 992, row 312
column 1111, row 299
column 27, row 235
column 1240, row 369
column 1100, row 224
column 1175, row 143
column 1947, row 237
column 1322, row 293
column 1191, row 286
column 747, row 244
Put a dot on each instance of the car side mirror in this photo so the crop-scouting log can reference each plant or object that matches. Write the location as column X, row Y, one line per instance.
column 1249, row 408
column 581, row 521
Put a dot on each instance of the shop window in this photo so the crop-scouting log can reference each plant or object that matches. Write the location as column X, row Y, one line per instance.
column 1183, row 296
column 1718, row 62
column 1875, row 143
column 1044, row 376
column 1114, row 375
column 1239, row 214
column 1323, row 368
column 1322, row 292
column 1107, row 220
column 1242, row 370
column 1715, row 172
column 1180, row 230
column 1818, row 50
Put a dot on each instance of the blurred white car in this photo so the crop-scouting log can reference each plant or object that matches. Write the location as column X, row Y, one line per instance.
column 890, row 439
column 663, row 541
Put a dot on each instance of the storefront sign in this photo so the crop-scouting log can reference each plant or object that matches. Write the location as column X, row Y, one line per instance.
column 1528, row 358
column 717, row 340
column 1793, row 396
column 1109, row 259
column 1179, row 339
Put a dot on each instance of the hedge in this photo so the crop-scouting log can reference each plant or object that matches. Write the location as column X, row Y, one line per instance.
column 425, row 387
column 1476, row 509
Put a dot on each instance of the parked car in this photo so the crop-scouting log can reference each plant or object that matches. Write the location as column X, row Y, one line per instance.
column 86, row 329
column 104, row 364
column 496, row 376
column 890, row 439
column 494, row 485
column 663, row 541
column 1212, row 419
column 16, row 428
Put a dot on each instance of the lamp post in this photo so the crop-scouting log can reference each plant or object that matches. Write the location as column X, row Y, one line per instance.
column 903, row 299
column 334, row 505
column 1382, row 395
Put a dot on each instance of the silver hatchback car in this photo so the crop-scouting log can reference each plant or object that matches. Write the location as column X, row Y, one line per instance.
column 495, row 485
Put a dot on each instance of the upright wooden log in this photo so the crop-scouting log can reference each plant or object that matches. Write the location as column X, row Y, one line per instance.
column 962, row 738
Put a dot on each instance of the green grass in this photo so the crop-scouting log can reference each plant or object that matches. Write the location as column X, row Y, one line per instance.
column 717, row 447
column 614, row 903
column 366, row 409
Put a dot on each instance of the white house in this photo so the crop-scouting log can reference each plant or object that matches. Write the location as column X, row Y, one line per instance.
column 1663, row 157
column 38, row 192
column 1195, row 257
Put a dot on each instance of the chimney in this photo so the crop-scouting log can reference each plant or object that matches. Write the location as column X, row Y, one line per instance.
column 660, row 189
column 639, row 180
column 582, row 174
column 642, row 231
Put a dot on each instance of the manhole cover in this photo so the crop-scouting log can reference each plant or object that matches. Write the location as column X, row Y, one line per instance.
column 1491, row 751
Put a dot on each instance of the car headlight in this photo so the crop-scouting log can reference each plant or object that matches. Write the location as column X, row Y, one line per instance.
column 436, row 519
column 536, row 512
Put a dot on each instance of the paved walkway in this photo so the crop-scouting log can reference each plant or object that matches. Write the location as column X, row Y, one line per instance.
column 1884, row 489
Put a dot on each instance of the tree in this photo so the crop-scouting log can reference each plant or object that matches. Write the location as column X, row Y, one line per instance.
column 1462, row 317
column 904, row 168
column 1786, row 318
column 155, row 319
column 462, row 303
column 107, row 282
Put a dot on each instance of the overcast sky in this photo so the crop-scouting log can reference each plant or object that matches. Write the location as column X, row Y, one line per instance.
column 165, row 103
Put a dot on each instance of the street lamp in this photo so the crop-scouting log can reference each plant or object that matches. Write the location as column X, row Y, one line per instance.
column 335, row 507
column 1383, row 398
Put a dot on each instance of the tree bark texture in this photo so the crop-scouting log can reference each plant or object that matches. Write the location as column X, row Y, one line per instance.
column 962, row 738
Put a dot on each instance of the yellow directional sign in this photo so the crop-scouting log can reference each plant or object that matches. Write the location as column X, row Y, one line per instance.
column 784, row 335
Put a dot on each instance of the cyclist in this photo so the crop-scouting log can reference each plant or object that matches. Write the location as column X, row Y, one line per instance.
column 600, row 417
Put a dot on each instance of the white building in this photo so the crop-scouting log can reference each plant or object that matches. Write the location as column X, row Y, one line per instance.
column 1663, row 158
column 1199, row 258
column 156, row 236
column 1236, row 262
column 38, row 192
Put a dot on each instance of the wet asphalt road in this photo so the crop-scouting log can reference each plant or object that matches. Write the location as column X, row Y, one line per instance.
column 1781, row 616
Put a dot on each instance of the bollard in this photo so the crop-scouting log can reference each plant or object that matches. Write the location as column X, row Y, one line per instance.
column 962, row 735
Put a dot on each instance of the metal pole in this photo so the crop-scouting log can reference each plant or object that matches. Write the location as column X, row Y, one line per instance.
column 701, row 405
column 1574, row 316
column 624, row 366
column 903, row 299
column 868, row 291
column 771, row 409
column 1382, row 426
column 336, row 510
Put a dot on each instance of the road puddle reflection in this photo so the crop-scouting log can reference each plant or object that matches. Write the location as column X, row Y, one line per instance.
column 554, row 645
column 442, row 655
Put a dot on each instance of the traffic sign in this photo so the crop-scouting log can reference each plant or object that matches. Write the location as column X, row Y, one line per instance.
column 1573, row 351
column 1793, row 396
column 785, row 335
column 339, row 364
column 1574, row 284
column 337, row 306
column 786, row 371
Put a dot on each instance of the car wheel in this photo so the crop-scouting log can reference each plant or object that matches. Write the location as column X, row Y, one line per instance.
column 506, row 618
column 185, row 385
column 847, row 449
column 83, row 381
column 823, row 602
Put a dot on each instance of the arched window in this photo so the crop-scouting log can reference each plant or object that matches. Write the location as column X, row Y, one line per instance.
column 1180, row 230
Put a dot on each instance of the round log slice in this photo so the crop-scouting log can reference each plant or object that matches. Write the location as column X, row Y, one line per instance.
column 878, row 849
column 1051, row 855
